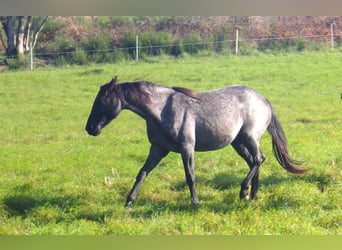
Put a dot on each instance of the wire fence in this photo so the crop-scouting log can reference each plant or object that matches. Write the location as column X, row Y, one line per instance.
column 330, row 40
column 189, row 44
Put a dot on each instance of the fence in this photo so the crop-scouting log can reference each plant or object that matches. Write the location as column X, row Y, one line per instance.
column 136, row 50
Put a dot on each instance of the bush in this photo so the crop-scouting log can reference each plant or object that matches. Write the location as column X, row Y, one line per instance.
column 79, row 57
column 221, row 34
column 18, row 63
column 97, row 47
column 97, row 42
column 52, row 26
column 288, row 45
column 177, row 49
column 192, row 43
column 129, row 42
column 247, row 48
column 61, row 61
column 121, row 21
column 151, row 43
column 62, row 43
column 266, row 45
column 118, row 56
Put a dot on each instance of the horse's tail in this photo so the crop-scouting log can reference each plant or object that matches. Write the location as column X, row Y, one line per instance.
column 280, row 148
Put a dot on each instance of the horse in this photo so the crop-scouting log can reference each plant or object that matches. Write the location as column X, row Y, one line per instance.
column 185, row 121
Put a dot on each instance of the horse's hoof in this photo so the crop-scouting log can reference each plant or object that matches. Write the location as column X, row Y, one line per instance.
column 245, row 197
column 254, row 197
column 195, row 201
column 196, row 204
column 129, row 204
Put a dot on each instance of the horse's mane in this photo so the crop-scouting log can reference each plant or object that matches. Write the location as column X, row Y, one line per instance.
column 187, row 92
column 137, row 91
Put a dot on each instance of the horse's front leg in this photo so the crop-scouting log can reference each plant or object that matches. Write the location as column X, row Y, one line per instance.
column 154, row 157
column 189, row 165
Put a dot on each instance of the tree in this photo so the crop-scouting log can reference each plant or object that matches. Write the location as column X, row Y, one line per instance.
column 20, row 33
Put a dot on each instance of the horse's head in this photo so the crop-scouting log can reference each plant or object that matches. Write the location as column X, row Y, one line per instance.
column 106, row 107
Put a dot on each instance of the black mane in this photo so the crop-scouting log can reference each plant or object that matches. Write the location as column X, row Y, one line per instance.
column 187, row 92
column 135, row 91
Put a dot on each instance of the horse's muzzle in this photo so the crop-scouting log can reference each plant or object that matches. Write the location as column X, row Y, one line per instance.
column 93, row 130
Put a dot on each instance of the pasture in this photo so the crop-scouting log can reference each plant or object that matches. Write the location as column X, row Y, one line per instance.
column 56, row 179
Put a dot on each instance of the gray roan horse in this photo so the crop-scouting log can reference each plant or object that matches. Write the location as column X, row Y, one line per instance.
column 185, row 121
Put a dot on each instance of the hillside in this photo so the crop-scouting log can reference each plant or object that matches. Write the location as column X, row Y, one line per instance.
column 80, row 40
column 80, row 28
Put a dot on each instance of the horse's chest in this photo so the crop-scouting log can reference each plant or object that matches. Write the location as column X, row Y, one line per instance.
column 162, row 137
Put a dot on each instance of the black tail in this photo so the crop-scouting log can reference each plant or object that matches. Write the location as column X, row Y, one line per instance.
column 279, row 144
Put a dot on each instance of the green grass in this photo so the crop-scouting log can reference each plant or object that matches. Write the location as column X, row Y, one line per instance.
column 56, row 179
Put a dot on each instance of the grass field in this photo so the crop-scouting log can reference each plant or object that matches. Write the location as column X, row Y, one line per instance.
column 56, row 179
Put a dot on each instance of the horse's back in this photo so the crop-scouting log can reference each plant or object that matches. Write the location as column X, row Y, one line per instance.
column 225, row 113
column 234, row 100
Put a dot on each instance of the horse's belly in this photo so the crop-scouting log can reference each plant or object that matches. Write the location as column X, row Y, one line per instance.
column 209, row 145
column 213, row 139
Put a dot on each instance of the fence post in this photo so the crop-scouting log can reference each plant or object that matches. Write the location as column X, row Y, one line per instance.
column 31, row 57
column 137, row 48
column 237, row 42
column 332, row 35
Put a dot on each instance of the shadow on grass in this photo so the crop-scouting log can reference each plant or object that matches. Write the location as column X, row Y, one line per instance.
column 223, row 181
column 21, row 204
column 68, row 207
column 230, row 201
column 76, row 206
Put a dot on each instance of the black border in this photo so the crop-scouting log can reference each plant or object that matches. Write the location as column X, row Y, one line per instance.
column 172, row 8
column 170, row 242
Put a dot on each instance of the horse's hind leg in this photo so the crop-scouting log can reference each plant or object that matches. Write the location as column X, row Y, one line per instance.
column 154, row 157
column 255, row 180
column 248, row 148
column 189, row 162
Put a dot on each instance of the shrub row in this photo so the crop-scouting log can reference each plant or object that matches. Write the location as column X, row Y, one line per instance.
column 83, row 40
column 99, row 49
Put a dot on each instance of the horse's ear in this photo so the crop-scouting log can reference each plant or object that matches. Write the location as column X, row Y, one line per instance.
column 114, row 80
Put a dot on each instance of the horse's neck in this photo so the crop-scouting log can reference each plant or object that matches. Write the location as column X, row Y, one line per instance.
column 151, row 110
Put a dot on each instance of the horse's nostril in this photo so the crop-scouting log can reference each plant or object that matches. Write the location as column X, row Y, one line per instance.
column 89, row 129
column 93, row 130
